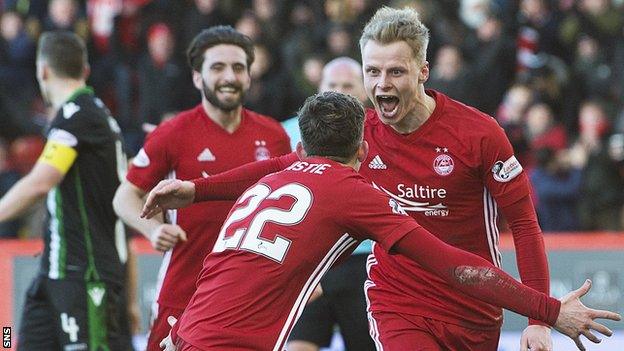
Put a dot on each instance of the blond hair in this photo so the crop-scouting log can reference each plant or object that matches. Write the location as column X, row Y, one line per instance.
column 390, row 25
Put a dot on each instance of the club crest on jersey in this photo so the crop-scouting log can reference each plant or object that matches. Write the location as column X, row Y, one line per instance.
column 443, row 165
column 262, row 153
column 507, row 170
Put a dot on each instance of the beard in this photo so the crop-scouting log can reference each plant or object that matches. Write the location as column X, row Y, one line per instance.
column 225, row 106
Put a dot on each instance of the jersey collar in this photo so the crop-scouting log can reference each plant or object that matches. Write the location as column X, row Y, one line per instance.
column 82, row 90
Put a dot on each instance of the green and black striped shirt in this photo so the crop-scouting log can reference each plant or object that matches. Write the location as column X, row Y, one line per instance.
column 85, row 239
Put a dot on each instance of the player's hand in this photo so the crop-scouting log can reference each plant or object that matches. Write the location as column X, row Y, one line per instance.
column 166, row 343
column 166, row 236
column 536, row 338
column 170, row 193
column 576, row 319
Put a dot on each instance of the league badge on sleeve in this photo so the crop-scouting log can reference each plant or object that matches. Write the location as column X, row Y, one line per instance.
column 507, row 170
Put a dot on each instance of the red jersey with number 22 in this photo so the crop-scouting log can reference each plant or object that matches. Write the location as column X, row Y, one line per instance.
column 279, row 239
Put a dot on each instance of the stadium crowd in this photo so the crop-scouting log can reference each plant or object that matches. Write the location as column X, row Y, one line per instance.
column 551, row 73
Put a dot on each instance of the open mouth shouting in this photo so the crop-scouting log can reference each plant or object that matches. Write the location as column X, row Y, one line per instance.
column 388, row 105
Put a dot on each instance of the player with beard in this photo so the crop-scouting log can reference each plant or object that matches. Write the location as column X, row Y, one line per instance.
column 216, row 135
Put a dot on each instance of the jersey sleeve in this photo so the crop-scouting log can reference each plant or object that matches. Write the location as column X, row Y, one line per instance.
column 503, row 175
column 153, row 162
column 373, row 215
column 509, row 185
column 231, row 184
column 83, row 123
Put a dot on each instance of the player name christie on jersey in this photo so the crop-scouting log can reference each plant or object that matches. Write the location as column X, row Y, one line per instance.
column 305, row 167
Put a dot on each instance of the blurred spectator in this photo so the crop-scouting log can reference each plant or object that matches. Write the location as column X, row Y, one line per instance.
column 270, row 21
column 66, row 15
column 308, row 78
column 538, row 33
column 592, row 73
column 601, row 201
column 339, row 42
column 17, row 76
column 492, row 54
column 159, row 76
column 266, row 80
column 510, row 115
column 203, row 14
column 8, row 177
column 450, row 76
column 597, row 18
column 17, row 53
column 301, row 38
column 542, row 129
column 556, row 181
column 249, row 25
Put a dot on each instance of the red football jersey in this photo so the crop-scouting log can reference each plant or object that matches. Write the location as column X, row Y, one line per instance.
column 449, row 175
column 281, row 236
column 189, row 146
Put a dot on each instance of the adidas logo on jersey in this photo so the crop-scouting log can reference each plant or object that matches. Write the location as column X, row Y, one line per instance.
column 377, row 163
column 206, row 155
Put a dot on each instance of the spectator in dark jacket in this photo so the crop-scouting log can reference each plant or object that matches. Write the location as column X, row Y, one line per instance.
column 556, row 183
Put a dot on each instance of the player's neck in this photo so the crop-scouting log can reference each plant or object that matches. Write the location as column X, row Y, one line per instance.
column 423, row 109
column 62, row 90
column 228, row 120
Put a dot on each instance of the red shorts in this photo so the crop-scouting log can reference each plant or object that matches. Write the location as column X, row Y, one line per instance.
column 397, row 332
column 160, row 328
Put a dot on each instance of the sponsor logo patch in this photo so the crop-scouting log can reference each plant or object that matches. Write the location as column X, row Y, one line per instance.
column 507, row 170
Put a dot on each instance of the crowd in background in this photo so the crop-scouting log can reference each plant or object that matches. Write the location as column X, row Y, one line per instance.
column 550, row 71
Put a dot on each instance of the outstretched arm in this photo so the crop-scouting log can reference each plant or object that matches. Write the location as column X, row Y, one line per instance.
column 229, row 185
column 478, row 278
column 532, row 265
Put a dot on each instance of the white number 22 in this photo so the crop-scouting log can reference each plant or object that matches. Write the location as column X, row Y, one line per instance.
column 249, row 238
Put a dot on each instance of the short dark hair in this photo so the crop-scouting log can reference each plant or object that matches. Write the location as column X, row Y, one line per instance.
column 214, row 36
column 65, row 53
column 331, row 125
